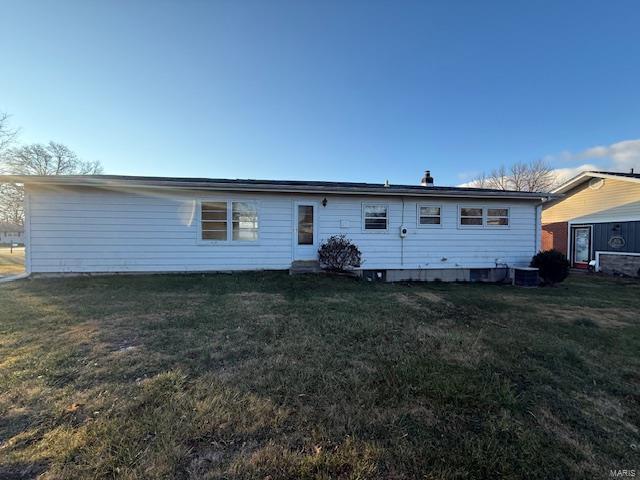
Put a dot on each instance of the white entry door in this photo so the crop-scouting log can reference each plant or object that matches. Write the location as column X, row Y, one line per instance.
column 305, row 231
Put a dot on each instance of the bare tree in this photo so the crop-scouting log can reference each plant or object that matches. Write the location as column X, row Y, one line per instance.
column 7, row 134
column 11, row 203
column 481, row 181
column 499, row 179
column 535, row 176
column 540, row 177
column 35, row 159
column 518, row 174
column 50, row 159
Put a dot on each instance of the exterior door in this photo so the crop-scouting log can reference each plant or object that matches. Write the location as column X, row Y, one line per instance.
column 305, row 231
column 581, row 246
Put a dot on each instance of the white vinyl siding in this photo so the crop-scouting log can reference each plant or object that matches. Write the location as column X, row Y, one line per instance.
column 75, row 229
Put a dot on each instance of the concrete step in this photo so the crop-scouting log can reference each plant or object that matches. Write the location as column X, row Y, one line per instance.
column 304, row 266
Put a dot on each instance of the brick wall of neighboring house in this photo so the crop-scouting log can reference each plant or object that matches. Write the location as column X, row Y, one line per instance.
column 554, row 236
column 620, row 264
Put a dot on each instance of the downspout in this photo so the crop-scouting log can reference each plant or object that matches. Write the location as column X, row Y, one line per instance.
column 538, row 227
column 401, row 237
column 27, row 232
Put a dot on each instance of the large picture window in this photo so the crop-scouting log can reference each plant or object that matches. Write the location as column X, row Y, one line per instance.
column 376, row 217
column 234, row 221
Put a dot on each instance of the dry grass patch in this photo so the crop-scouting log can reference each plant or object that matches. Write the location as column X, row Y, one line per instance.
column 602, row 317
column 430, row 296
column 11, row 263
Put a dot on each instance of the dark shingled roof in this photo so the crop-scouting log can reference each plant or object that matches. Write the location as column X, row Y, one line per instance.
column 269, row 185
column 619, row 174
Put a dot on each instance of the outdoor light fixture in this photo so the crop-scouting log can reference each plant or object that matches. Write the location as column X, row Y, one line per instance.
column 324, row 202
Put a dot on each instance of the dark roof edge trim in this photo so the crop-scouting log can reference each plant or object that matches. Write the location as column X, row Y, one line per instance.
column 284, row 187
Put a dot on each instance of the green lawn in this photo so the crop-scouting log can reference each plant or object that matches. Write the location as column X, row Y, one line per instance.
column 268, row 376
column 11, row 262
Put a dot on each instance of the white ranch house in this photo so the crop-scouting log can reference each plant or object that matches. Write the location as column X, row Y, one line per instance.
column 96, row 224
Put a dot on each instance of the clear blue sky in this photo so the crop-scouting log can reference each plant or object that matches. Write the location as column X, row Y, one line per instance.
column 335, row 90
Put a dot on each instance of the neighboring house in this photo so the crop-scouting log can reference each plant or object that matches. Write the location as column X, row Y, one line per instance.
column 155, row 224
column 10, row 233
column 596, row 218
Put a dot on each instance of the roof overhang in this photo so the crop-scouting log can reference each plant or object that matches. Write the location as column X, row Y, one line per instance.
column 342, row 188
column 582, row 177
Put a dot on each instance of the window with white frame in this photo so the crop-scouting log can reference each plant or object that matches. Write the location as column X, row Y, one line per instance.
column 484, row 217
column 245, row 221
column 429, row 215
column 376, row 217
column 471, row 216
column 214, row 221
column 229, row 220
column 497, row 217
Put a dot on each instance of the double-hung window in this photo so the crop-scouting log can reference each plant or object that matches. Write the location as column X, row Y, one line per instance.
column 471, row 216
column 429, row 215
column 214, row 221
column 376, row 217
column 245, row 221
column 484, row 217
column 224, row 221
column 497, row 217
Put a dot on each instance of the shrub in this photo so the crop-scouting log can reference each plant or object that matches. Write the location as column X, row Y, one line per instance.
column 553, row 266
column 339, row 254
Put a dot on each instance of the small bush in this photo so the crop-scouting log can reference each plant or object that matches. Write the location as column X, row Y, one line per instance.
column 339, row 254
column 553, row 266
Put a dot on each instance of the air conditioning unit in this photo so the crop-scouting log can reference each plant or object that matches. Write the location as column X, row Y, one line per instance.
column 525, row 277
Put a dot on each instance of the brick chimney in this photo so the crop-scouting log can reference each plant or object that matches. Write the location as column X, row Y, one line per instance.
column 427, row 180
